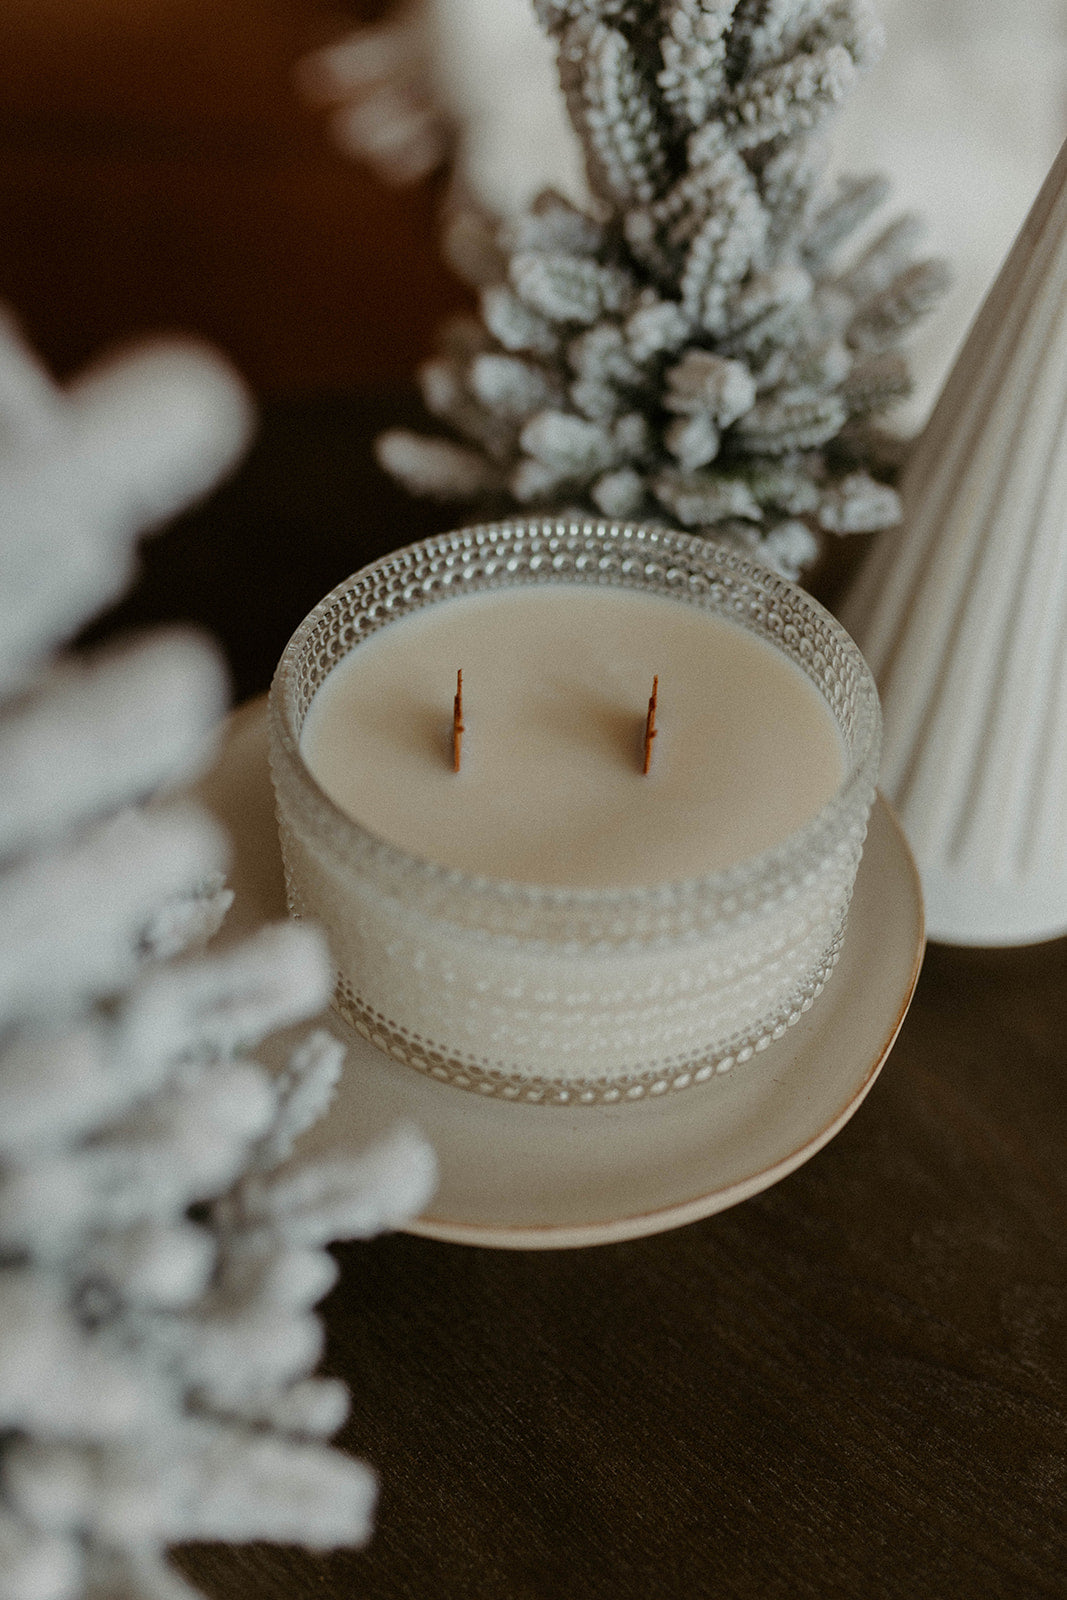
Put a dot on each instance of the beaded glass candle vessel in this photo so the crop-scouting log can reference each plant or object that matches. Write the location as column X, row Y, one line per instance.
column 547, row 992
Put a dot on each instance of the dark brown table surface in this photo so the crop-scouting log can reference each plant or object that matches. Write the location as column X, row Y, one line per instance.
column 854, row 1384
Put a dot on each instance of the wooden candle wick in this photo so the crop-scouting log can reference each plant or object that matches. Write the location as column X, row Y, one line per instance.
column 457, row 723
column 650, row 723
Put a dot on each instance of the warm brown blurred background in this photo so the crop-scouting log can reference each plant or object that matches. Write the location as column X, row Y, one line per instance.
column 158, row 170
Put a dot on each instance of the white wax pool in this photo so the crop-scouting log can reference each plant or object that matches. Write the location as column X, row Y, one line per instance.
column 556, row 680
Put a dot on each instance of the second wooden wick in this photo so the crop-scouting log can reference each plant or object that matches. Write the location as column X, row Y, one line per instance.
column 650, row 723
column 457, row 724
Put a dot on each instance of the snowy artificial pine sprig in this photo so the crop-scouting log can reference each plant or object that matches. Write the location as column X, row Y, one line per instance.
column 158, row 1266
column 705, row 346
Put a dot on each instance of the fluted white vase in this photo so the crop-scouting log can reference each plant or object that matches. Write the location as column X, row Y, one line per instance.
column 962, row 613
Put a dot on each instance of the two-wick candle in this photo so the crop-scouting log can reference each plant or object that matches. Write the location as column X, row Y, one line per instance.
column 550, row 921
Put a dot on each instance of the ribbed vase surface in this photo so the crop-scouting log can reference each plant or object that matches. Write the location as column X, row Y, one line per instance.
column 962, row 613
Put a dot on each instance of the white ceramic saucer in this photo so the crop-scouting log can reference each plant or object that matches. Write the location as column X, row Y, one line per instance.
column 542, row 1177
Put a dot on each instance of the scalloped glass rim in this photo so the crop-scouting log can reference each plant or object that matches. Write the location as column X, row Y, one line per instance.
column 700, row 900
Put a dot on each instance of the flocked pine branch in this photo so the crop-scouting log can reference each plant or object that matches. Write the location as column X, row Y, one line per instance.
column 158, row 1268
column 712, row 343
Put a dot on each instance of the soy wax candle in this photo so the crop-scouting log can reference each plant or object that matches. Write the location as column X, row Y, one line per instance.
column 551, row 922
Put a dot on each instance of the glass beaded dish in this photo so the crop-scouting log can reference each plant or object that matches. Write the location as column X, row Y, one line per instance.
column 573, row 995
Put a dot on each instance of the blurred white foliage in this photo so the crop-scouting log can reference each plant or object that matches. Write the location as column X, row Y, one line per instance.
column 965, row 113
column 470, row 81
column 157, row 1271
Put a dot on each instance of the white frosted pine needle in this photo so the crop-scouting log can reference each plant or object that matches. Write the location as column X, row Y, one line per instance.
column 859, row 504
column 192, row 1480
column 379, row 82
column 568, row 444
column 568, row 288
column 893, row 310
column 71, row 919
column 30, row 404
column 792, row 97
column 303, row 1092
column 702, row 382
column 352, row 1198
column 132, row 443
column 513, row 387
column 128, row 721
column 37, row 1565
column 692, row 77
column 159, row 1265
column 514, row 325
column 434, row 467
column 693, row 440
column 189, row 919
column 55, row 1379
column 217, row 1004
column 618, row 494
column 702, row 499
column 610, row 95
column 316, row 1407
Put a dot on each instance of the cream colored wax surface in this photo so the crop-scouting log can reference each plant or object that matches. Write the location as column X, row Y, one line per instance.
column 556, row 680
